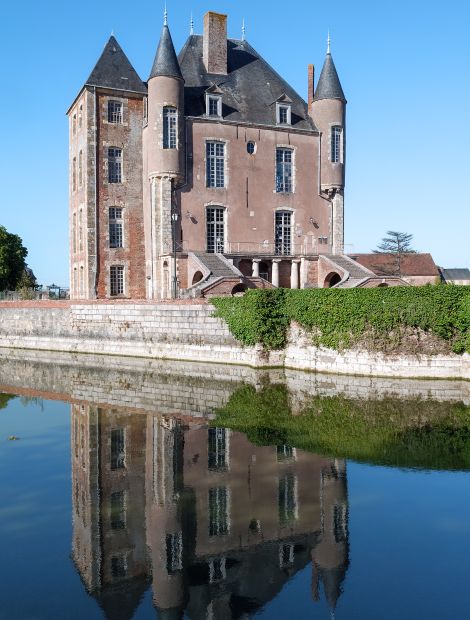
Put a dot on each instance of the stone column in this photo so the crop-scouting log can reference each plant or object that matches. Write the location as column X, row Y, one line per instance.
column 303, row 272
column 275, row 271
column 337, row 233
column 256, row 262
column 294, row 273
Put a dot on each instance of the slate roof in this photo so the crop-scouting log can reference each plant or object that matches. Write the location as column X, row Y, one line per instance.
column 166, row 62
column 411, row 264
column 249, row 90
column 329, row 86
column 113, row 70
column 455, row 274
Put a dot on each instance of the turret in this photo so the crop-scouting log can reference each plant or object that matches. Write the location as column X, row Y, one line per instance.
column 328, row 110
column 165, row 140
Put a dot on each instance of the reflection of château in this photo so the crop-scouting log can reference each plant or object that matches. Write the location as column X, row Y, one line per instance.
column 219, row 525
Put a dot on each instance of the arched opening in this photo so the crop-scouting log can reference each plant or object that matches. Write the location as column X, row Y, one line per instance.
column 197, row 277
column 264, row 270
column 238, row 289
column 382, row 285
column 332, row 279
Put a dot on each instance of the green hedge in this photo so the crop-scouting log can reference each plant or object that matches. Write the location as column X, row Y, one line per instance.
column 394, row 432
column 340, row 318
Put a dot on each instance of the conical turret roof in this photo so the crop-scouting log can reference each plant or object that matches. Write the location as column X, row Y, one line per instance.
column 329, row 86
column 166, row 61
column 113, row 70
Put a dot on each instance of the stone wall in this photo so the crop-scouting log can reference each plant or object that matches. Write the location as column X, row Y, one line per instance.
column 189, row 331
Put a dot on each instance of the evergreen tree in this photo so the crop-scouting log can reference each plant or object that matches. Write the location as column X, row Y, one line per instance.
column 396, row 245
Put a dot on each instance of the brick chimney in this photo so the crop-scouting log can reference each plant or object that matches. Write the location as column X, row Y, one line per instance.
column 214, row 48
column 311, row 77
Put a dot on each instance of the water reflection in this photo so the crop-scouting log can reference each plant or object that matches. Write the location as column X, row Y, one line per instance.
column 212, row 523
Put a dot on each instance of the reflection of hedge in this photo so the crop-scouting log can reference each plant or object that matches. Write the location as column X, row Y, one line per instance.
column 339, row 318
column 401, row 433
column 4, row 398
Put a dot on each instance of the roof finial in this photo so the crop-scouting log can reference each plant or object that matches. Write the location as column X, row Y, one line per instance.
column 165, row 17
column 328, row 51
column 191, row 24
column 243, row 30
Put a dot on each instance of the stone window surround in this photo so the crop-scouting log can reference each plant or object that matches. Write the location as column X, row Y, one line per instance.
column 112, row 145
column 341, row 146
column 170, row 105
column 217, row 97
column 125, row 263
column 104, row 111
column 294, row 160
column 288, row 107
column 292, row 227
column 123, row 206
column 221, row 205
column 226, row 163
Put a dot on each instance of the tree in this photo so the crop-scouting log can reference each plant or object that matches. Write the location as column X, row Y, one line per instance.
column 396, row 245
column 12, row 259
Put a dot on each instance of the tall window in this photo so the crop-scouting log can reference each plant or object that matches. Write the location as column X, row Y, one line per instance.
column 174, row 552
column 80, row 230
column 169, row 127
column 80, row 116
column 283, row 114
column 80, row 169
column 283, row 170
column 340, row 522
column 74, row 174
column 118, row 448
column 287, row 498
column 116, row 280
column 336, row 144
column 74, row 124
column 283, row 233
column 215, row 229
column 118, row 510
column 115, row 112
column 114, row 165
column 74, row 233
column 218, row 511
column 115, row 227
column 213, row 105
column 217, row 447
column 215, row 164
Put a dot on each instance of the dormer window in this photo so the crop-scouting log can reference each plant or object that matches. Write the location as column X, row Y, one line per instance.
column 214, row 105
column 283, row 113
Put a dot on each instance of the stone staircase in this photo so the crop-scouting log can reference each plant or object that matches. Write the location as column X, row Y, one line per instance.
column 218, row 265
column 354, row 272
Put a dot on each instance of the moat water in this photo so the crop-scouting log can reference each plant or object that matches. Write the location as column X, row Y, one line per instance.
column 132, row 491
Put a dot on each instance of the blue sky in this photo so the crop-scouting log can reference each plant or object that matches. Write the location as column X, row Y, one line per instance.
column 404, row 67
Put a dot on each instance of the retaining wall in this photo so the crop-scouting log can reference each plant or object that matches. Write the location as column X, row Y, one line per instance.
column 191, row 332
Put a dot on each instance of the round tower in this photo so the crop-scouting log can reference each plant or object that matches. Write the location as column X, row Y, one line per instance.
column 329, row 115
column 165, row 140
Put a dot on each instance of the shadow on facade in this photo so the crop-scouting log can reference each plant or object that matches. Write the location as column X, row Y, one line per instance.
column 215, row 525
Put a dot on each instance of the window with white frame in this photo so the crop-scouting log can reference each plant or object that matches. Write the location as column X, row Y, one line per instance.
column 215, row 229
column 118, row 448
column 115, row 112
column 218, row 511
column 336, row 144
column 284, row 160
column 169, row 127
column 283, row 233
column 214, row 105
column 217, row 449
column 114, row 165
column 116, row 280
column 283, row 114
column 215, row 164
column 115, row 227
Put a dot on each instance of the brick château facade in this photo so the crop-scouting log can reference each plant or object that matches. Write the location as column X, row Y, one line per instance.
column 216, row 162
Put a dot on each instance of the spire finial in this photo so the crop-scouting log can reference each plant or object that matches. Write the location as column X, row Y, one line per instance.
column 165, row 17
column 328, row 47
column 243, row 30
column 191, row 24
